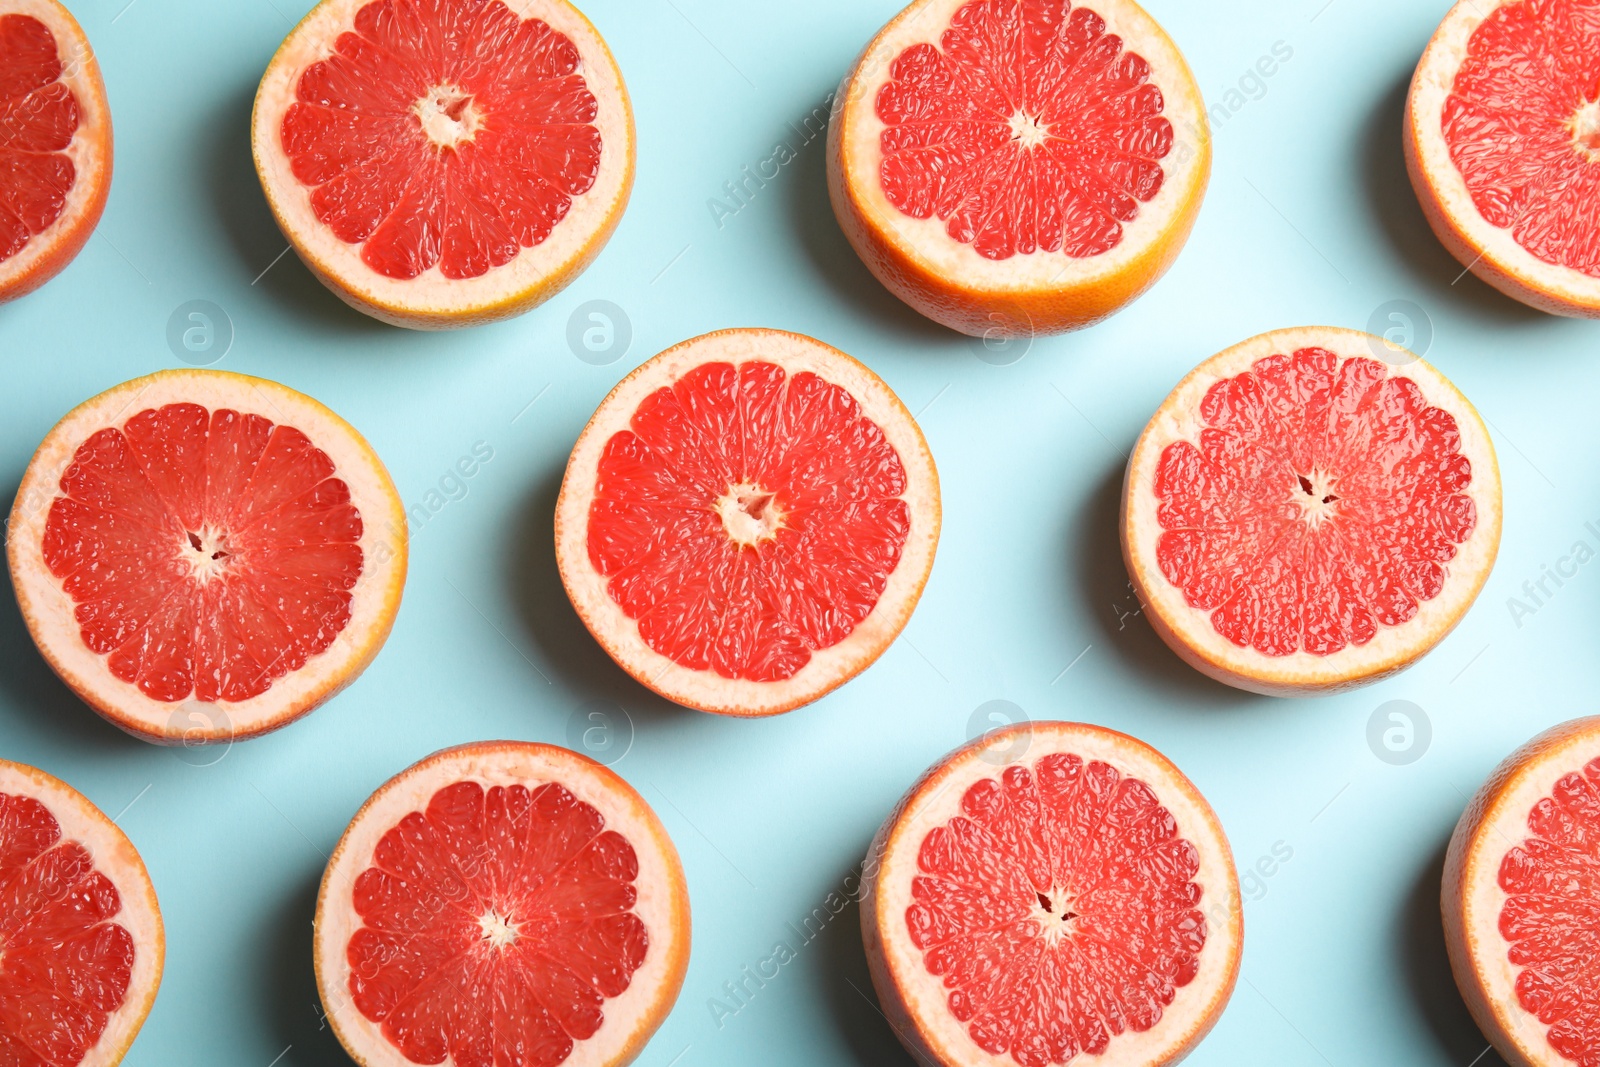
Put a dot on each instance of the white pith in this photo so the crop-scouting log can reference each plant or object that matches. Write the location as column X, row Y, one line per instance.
column 750, row 514
column 553, row 263
column 1527, row 777
column 116, row 858
column 936, row 799
column 662, row 902
column 49, row 610
column 1431, row 86
column 828, row 667
column 1392, row 647
column 434, row 113
column 90, row 150
column 928, row 243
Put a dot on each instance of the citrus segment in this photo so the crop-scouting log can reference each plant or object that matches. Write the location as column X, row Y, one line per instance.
column 1301, row 515
column 1521, row 897
column 1503, row 145
column 747, row 521
column 441, row 162
column 55, row 143
column 502, row 903
column 207, row 549
column 1018, row 166
column 1052, row 892
column 81, row 944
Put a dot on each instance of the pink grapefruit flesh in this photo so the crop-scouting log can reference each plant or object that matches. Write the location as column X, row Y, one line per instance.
column 499, row 904
column 81, row 943
column 1302, row 515
column 1073, row 899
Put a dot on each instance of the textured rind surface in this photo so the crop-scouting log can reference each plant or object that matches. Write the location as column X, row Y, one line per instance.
column 1491, row 823
column 878, row 923
column 457, row 307
column 1294, row 676
column 44, row 604
column 1024, row 310
column 528, row 763
column 1444, row 199
column 49, row 252
column 116, row 858
column 829, row 668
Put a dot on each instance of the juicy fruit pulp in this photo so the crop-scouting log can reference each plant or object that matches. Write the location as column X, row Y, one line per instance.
column 1323, row 500
column 65, row 965
column 747, row 518
column 1032, row 130
column 208, row 553
column 496, row 924
column 1552, row 882
column 1522, row 124
column 1059, row 909
column 38, row 118
column 448, row 132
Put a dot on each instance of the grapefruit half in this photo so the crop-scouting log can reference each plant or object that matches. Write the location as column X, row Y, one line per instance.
column 1300, row 517
column 502, row 903
column 55, row 143
column 441, row 163
column 1013, row 167
column 748, row 521
column 1052, row 893
column 1502, row 140
column 81, row 940
column 204, row 556
column 1521, row 900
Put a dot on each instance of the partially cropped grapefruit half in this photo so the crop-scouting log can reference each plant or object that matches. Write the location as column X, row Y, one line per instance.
column 1521, row 901
column 204, row 556
column 1302, row 516
column 55, row 143
column 1052, row 893
column 1018, row 167
column 1502, row 140
column 442, row 163
column 502, row 903
column 81, row 940
column 748, row 521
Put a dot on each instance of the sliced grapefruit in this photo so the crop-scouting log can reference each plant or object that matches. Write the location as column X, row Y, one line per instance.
column 55, row 143
column 748, row 521
column 441, row 163
column 204, row 556
column 1052, row 893
column 1521, row 901
column 1502, row 140
column 1300, row 517
column 81, row 940
column 502, row 903
column 1012, row 167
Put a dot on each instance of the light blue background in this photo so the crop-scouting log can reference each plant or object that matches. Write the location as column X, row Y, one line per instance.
column 1309, row 219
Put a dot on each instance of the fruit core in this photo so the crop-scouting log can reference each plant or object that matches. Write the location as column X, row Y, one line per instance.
column 1552, row 891
column 65, row 964
column 747, row 517
column 494, row 925
column 1029, row 128
column 41, row 116
column 449, row 116
column 1059, row 908
column 208, row 553
column 1321, row 498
